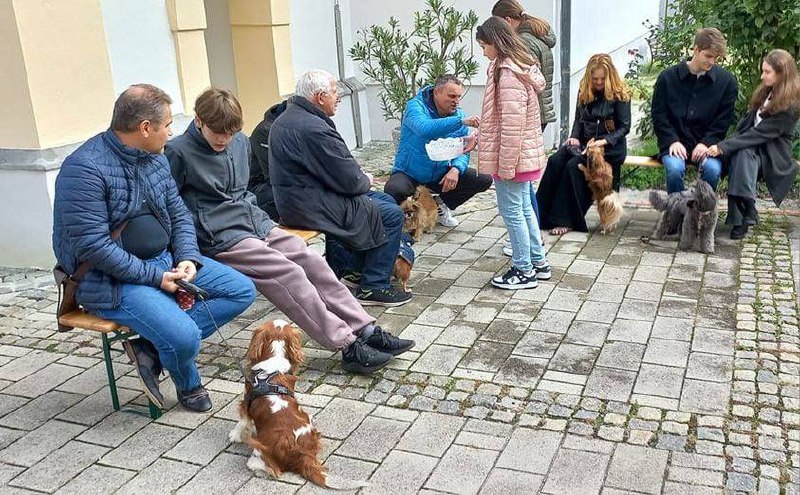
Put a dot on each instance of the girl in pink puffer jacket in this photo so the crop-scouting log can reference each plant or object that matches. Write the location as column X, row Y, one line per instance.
column 511, row 147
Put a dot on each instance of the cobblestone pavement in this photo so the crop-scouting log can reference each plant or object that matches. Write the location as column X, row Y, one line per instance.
column 636, row 369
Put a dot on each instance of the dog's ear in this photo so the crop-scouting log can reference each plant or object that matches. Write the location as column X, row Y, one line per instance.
column 257, row 344
column 691, row 203
column 294, row 348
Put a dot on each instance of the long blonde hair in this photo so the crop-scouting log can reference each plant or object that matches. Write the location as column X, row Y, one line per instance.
column 615, row 87
column 513, row 9
column 786, row 92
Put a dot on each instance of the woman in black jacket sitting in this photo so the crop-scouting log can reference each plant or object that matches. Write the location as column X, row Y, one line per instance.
column 603, row 114
column 762, row 143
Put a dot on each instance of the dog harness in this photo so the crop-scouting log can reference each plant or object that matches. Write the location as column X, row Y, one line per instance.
column 263, row 388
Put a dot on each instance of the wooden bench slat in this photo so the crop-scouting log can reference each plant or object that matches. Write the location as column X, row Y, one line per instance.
column 641, row 161
column 86, row 321
column 306, row 235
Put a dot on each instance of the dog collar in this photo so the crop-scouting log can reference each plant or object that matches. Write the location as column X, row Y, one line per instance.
column 262, row 387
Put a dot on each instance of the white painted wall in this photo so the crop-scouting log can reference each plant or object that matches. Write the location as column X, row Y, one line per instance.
column 594, row 29
column 313, row 34
column 27, row 219
column 140, row 46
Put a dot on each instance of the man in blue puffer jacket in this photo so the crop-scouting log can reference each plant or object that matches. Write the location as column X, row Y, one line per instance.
column 121, row 177
column 432, row 114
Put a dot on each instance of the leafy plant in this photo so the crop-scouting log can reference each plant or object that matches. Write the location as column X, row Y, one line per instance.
column 752, row 28
column 403, row 62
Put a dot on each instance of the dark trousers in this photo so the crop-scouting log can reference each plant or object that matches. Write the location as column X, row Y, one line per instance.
column 377, row 264
column 400, row 186
column 563, row 196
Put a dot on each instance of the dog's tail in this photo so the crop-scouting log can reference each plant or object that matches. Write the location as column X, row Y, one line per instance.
column 612, row 206
column 658, row 200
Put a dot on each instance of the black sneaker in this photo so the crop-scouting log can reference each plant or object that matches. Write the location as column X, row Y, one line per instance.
column 514, row 279
column 351, row 279
column 738, row 232
column 389, row 296
column 386, row 342
column 358, row 357
column 144, row 358
column 196, row 400
column 543, row 271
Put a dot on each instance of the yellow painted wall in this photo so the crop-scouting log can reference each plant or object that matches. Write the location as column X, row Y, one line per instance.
column 17, row 124
column 262, row 54
column 67, row 74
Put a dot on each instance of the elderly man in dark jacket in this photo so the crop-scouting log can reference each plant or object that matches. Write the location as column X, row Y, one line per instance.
column 210, row 164
column 121, row 179
column 319, row 185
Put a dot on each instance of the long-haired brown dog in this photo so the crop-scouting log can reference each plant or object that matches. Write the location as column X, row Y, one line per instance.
column 599, row 178
column 420, row 213
column 271, row 422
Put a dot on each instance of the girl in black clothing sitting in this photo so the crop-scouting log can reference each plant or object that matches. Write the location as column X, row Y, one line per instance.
column 603, row 114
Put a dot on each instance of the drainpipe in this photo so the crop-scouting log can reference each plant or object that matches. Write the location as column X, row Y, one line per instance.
column 351, row 85
column 566, row 26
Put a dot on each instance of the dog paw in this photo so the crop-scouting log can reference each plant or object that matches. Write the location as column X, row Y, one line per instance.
column 235, row 435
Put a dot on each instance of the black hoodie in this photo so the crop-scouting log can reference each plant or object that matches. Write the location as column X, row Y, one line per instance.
column 259, row 183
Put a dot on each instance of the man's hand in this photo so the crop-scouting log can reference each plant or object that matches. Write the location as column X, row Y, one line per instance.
column 470, row 142
column 677, row 149
column 189, row 268
column 714, row 150
column 474, row 121
column 699, row 153
column 450, row 180
column 168, row 280
column 572, row 142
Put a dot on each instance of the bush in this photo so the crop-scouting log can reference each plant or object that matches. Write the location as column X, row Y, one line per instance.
column 403, row 62
column 752, row 28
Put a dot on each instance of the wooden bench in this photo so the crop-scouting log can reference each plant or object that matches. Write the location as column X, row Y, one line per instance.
column 111, row 332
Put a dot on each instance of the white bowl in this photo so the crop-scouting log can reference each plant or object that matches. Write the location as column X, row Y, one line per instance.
column 445, row 149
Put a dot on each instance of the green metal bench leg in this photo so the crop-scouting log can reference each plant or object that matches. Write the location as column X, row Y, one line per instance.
column 155, row 412
column 112, row 381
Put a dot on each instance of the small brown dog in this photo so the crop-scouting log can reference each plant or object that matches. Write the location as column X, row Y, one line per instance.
column 599, row 178
column 271, row 421
column 420, row 211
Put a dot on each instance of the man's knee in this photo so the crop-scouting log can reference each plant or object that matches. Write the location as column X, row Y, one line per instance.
column 674, row 165
column 399, row 187
column 392, row 216
column 712, row 168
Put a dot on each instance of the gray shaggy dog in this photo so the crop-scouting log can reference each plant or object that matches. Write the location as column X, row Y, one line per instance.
column 692, row 214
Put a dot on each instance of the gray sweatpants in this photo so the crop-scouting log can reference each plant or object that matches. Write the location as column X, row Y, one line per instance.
column 299, row 282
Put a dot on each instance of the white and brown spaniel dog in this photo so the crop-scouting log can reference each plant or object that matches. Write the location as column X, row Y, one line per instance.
column 281, row 434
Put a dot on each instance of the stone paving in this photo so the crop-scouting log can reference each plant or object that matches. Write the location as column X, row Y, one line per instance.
column 636, row 369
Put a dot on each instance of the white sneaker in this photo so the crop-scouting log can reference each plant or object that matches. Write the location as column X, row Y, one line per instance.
column 507, row 250
column 446, row 216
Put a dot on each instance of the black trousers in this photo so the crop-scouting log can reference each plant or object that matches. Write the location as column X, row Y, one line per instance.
column 400, row 186
column 563, row 196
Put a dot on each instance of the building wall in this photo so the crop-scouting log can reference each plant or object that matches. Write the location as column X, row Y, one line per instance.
column 219, row 45
column 140, row 46
column 314, row 47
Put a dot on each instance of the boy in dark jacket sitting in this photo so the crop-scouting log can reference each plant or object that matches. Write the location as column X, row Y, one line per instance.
column 210, row 165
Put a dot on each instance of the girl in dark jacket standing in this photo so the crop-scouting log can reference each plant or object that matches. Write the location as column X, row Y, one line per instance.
column 762, row 142
column 603, row 115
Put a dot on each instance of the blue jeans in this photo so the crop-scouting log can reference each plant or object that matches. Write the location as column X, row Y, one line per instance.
column 154, row 314
column 514, row 203
column 675, row 169
column 377, row 264
column 535, row 205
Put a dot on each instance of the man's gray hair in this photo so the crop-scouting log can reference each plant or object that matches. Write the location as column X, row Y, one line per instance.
column 313, row 82
column 138, row 103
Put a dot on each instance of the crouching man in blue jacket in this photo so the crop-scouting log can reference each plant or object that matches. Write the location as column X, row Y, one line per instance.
column 433, row 114
column 121, row 178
